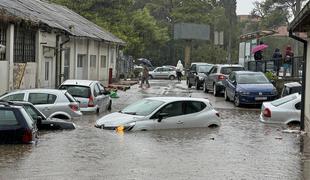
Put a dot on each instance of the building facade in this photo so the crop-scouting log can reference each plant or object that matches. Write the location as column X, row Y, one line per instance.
column 43, row 44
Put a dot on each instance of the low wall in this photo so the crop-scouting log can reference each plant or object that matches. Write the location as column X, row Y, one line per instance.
column 25, row 75
column 4, row 73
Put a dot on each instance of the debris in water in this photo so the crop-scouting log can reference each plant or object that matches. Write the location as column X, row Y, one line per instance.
column 279, row 138
column 290, row 131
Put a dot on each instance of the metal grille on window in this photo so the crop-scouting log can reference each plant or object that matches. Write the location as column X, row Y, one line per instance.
column 24, row 45
column 3, row 29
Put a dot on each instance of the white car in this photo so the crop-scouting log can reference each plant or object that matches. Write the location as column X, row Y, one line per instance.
column 162, row 113
column 93, row 97
column 163, row 73
column 285, row 110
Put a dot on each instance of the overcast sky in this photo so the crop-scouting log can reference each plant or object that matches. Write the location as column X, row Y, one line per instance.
column 245, row 6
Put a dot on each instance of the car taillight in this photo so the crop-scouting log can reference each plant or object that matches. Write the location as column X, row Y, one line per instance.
column 267, row 112
column 74, row 107
column 27, row 136
column 91, row 102
column 221, row 77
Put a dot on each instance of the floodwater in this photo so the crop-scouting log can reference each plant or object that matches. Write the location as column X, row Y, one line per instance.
column 242, row 148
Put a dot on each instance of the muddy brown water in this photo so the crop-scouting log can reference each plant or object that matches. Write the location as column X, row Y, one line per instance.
column 242, row 148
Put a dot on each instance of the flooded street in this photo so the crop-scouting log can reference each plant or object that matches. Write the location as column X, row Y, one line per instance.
column 242, row 148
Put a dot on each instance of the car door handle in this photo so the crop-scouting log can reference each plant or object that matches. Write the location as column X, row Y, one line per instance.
column 180, row 122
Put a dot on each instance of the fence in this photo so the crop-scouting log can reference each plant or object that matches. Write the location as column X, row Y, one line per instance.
column 280, row 67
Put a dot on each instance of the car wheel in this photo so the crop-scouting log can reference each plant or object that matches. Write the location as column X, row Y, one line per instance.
column 215, row 92
column 205, row 88
column 109, row 106
column 237, row 101
column 189, row 85
column 226, row 96
column 197, row 85
column 171, row 77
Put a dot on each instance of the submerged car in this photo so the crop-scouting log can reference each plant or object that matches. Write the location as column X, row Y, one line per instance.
column 44, row 123
column 16, row 125
column 51, row 102
column 216, row 76
column 285, row 110
column 197, row 74
column 291, row 88
column 246, row 87
column 162, row 113
column 93, row 97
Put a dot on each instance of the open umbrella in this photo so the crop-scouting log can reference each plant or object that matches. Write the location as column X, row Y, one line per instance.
column 259, row 48
column 145, row 61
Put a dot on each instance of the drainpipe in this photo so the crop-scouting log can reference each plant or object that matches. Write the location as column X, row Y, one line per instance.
column 304, row 67
column 57, row 61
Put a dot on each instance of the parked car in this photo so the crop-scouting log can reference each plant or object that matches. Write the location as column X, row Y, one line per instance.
column 163, row 73
column 16, row 125
column 93, row 97
column 197, row 73
column 52, row 103
column 44, row 123
column 162, row 113
column 246, row 87
column 216, row 76
column 291, row 88
column 285, row 110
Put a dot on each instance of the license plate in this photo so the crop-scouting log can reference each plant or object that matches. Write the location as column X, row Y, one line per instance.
column 260, row 98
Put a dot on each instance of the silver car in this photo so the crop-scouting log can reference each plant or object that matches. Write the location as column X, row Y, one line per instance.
column 163, row 73
column 285, row 110
column 93, row 97
column 52, row 103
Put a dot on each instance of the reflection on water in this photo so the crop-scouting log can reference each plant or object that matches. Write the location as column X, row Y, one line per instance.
column 242, row 148
column 305, row 148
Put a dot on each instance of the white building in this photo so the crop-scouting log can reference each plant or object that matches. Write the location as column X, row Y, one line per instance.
column 302, row 24
column 42, row 44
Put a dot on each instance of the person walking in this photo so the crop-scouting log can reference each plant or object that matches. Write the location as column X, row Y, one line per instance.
column 145, row 76
column 276, row 57
column 179, row 70
column 288, row 60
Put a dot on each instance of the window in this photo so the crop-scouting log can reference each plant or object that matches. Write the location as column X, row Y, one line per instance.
column 24, row 45
column 67, row 64
column 3, row 28
column 80, row 61
column 228, row 70
column 214, row 70
column 93, row 60
column 194, row 106
column 42, row 98
column 15, row 97
column 193, row 68
column 96, row 90
column 77, row 91
column 47, row 68
column 232, row 77
column 173, row 109
column 7, row 117
column 103, row 62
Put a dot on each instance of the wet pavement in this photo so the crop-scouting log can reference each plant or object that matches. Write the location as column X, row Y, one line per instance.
column 242, row 148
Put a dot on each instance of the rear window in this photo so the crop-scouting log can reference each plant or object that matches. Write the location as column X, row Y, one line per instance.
column 228, row 70
column 7, row 118
column 284, row 100
column 42, row 98
column 77, row 91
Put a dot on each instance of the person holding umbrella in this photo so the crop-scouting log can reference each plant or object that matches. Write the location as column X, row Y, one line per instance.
column 145, row 75
column 258, row 54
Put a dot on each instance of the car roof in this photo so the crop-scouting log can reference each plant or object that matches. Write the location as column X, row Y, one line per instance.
column 201, row 63
column 171, row 99
column 247, row 72
column 292, row 84
column 36, row 90
column 78, row 82
column 229, row 65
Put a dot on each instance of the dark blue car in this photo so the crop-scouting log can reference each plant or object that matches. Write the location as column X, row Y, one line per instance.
column 246, row 87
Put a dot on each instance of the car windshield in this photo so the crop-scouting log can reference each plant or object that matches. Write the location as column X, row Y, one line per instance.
column 77, row 91
column 204, row 68
column 143, row 107
column 252, row 79
column 228, row 70
column 284, row 100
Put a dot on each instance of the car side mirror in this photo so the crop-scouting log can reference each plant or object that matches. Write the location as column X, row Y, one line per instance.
column 39, row 120
column 161, row 116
